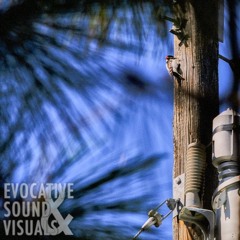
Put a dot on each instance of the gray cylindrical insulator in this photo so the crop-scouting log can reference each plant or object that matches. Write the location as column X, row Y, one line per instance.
column 226, row 151
column 195, row 166
column 228, row 170
column 226, row 137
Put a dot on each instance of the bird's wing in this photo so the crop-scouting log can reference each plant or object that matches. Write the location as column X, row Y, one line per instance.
column 169, row 67
column 175, row 65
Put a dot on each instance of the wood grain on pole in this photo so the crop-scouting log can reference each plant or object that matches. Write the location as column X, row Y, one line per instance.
column 196, row 99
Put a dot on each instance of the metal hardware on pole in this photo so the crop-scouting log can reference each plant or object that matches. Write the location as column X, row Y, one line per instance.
column 156, row 218
column 226, row 198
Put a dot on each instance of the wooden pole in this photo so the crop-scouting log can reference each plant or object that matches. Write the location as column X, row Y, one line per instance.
column 196, row 98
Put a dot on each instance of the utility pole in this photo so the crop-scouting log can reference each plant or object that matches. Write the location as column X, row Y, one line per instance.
column 195, row 98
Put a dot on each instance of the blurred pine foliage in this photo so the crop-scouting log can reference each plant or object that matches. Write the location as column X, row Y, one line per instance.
column 71, row 111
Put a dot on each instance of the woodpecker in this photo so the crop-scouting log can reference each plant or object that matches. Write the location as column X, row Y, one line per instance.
column 173, row 68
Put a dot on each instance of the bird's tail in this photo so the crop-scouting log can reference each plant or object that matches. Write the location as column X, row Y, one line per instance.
column 178, row 76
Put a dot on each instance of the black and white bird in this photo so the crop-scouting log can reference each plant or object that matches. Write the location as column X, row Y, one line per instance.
column 173, row 68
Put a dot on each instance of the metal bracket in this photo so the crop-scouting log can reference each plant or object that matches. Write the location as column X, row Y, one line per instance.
column 203, row 218
column 178, row 193
column 220, row 195
column 219, row 200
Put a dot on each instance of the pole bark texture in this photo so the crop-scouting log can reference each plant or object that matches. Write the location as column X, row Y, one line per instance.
column 195, row 98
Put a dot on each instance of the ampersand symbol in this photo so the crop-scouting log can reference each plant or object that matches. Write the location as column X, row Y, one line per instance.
column 63, row 223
